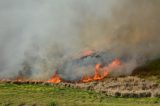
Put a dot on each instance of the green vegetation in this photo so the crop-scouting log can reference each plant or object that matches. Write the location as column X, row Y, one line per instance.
column 42, row 95
column 149, row 71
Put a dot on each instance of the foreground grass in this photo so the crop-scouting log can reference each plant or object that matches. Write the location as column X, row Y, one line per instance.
column 149, row 71
column 42, row 95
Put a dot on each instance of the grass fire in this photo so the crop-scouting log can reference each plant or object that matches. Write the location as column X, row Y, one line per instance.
column 101, row 70
column 79, row 53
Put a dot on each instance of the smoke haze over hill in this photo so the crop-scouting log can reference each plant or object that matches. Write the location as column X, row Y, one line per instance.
column 38, row 36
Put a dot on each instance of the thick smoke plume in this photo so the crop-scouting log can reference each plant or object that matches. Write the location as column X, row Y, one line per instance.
column 36, row 37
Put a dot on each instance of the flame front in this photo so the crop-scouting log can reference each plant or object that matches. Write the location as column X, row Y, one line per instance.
column 87, row 53
column 99, row 73
column 55, row 78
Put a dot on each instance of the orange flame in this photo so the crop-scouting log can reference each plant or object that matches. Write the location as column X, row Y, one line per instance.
column 87, row 53
column 100, row 73
column 55, row 78
column 115, row 63
column 20, row 78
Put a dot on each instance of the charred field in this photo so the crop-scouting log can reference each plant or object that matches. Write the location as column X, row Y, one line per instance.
column 14, row 93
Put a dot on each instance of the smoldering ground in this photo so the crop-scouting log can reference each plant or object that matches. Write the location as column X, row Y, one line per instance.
column 36, row 37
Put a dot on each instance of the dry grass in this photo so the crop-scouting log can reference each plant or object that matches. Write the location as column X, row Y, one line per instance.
column 127, row 91
column 42, row 95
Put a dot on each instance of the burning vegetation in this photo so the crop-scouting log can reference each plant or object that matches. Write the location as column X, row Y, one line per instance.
column 100, row 72
column 111, row 86
column 42, row 50
column 101, row 68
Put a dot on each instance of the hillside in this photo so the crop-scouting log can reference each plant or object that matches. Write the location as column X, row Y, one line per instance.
column 68, row 94
column 149, row 71
column 42, row 95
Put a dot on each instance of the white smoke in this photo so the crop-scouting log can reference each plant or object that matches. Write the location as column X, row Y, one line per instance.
column 42, row 34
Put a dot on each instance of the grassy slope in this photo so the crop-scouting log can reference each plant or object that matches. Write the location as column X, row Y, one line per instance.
column 149, row 71
column 41, row 95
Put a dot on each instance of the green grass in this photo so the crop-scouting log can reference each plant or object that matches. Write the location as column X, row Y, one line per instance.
column 149, row 71
column 42, row 95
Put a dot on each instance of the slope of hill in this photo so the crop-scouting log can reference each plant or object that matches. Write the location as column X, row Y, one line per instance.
column 42, row 95
column 149, row 71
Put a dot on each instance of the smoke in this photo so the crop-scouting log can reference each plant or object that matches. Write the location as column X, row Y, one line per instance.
column 131, row 30
column 36, row 37
column 132, row 27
